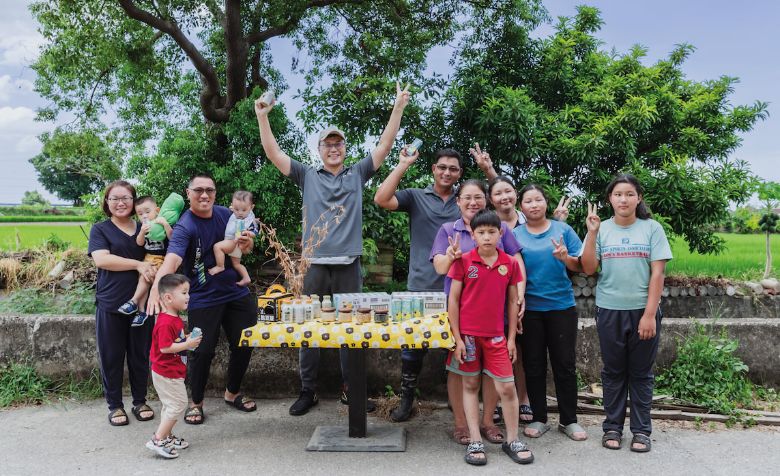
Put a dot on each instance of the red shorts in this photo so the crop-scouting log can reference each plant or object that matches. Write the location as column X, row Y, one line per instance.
column 492, row 358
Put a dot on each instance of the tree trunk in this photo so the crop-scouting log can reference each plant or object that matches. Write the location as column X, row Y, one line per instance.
column 768, row 265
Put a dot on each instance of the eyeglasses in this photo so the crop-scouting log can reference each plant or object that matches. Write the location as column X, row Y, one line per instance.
column 475, row 198
column 201, row 191
column 332, row 145
column 120, row 199
column 443, row 168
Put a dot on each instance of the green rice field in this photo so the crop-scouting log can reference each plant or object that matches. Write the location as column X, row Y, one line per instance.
column 33, row 235
column 743, row 258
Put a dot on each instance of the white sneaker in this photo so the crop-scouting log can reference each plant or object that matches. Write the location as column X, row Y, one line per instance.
column 163, row 447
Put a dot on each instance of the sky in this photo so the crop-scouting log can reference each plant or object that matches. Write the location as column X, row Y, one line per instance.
column 731, row 38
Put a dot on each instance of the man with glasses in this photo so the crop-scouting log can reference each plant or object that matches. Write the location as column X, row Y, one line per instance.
column 327, row 190
column 428, row 209
column 215, row 301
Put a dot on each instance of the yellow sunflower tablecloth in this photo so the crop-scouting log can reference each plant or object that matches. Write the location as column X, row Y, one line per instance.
column 431, row 332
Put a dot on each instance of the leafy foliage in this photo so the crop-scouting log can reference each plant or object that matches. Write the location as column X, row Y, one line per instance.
column 34, row 199
column 706, row 372
column 560, row 111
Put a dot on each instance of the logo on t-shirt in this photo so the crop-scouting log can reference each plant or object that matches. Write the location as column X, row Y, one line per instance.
column 472, row 273
column 502, row 270
column 625, row 241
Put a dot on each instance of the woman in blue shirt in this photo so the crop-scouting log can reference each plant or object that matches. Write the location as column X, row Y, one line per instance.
column 550, row 320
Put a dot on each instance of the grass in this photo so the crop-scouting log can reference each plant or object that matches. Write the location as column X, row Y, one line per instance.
column 34, row 235
column 743, row 258
column 42, row 218
column 21, row 384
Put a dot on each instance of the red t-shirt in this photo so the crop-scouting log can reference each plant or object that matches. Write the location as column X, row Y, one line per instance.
column 484, row 292
column 168, row 330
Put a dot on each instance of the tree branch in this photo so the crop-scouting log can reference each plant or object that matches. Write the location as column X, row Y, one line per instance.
column 210, row 99
column 237, row 53
column 292, row 22
column 218, row 14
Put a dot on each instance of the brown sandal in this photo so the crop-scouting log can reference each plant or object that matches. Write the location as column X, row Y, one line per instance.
column 492, row 433
column 461, row 435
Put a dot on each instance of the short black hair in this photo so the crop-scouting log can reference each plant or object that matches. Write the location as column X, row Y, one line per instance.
column 485, row 217
column 244, row 196
column 205, row 175
column 448, row 153
column 169, row 282
column 144, row 199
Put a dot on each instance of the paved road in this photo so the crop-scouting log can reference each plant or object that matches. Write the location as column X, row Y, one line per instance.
column 74, row 438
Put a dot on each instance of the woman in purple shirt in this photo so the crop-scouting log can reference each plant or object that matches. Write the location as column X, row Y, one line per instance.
column 452, row 240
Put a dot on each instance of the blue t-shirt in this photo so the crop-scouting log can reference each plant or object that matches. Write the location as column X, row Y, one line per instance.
column 548, row 287
column 114, row 288
column 193, row 241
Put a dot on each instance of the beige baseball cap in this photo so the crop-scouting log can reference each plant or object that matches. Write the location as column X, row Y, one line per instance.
column 331, row 131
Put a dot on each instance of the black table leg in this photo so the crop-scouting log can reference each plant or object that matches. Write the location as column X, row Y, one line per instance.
column 357, row 393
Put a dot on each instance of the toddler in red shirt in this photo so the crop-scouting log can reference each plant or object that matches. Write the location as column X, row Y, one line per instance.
column 482, row 280
column 169, row 362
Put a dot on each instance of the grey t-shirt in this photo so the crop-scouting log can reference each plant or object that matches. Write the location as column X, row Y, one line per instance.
column 323, row 193
column 427, row 213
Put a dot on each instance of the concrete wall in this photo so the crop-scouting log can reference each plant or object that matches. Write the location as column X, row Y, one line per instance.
column 60, row 345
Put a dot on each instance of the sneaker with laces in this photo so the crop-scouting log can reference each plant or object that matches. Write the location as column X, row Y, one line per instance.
column 178, row 443
column 344, row 399
column 129, row 308
column 139, row 319
column 306, row 400
column 163, row 447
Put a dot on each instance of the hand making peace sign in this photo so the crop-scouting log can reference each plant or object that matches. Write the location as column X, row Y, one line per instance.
column 481, row 157
column 560, row 252
column 453, row 251
column 593, row 222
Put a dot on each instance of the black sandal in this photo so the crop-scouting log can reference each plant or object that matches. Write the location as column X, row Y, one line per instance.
column 239, row 403
column 475, row 448
column 118, row 413
column 642, row 439
column 137, row 410
column 612, row 435
column 194, row 412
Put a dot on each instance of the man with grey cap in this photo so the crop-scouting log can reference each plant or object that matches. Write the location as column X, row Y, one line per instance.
column 335, row 265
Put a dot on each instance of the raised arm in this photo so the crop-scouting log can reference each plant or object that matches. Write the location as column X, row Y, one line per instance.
column 272, row 150
column 386, row 140
column 485, row 164
column 385, row 194
column 589, row 261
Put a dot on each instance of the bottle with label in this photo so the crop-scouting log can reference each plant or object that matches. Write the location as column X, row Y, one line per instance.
column 471, row 349
column 298, row 312
column 308, row 310
column 316, row 307
column 287, row 311
column 326, row 302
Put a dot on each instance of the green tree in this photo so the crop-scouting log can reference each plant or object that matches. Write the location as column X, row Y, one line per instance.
column 562, row 111
column 34, row 199
column 73, row 164
column 769, row 194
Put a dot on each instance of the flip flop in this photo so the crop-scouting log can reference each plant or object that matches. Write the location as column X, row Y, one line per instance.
column 492, row 433
column 117, row 413
column 461, row 435
column 517, row 446
column 137, row 410
column 526, row 410
column 572, row 428
column 474, row 449
column 239, row 403
column 197, row 413
column 539, row 427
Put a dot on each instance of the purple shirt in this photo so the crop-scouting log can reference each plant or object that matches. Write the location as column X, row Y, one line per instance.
column 508, row 243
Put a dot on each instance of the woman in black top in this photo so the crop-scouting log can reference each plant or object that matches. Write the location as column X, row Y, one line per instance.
column 119, row 261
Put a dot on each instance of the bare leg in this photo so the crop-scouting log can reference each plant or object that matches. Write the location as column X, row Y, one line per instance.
column 510, row 404
column 164, row 429
column 141, row 292
column 221, row 249
column 455, row 393
column 489, row 400
column 241, row 269
column 470, row 398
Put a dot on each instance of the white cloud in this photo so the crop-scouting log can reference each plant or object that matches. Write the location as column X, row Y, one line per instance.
column 17, row 119
column 20, row 49
column 9, row 87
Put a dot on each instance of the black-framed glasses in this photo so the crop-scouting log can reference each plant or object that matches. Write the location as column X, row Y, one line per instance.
column 200, row 191
column 452, row 168
column 120, row 199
